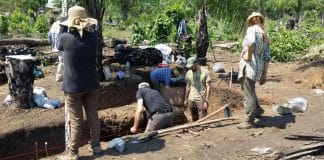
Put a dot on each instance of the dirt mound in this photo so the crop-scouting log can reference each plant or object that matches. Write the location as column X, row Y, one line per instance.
column 311, row 75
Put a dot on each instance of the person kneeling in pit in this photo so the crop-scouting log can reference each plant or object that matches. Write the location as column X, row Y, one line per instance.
column 159, row 112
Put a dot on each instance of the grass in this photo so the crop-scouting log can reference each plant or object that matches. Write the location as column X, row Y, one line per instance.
column 110, row 32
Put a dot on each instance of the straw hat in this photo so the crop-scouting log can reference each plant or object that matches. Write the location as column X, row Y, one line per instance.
column 77, row 18
column 255, row 14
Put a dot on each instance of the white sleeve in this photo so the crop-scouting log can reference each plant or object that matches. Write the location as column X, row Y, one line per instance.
column 250, row 35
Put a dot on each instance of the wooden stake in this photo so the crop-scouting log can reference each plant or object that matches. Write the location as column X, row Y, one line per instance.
column 46, row 151
column 36, row 150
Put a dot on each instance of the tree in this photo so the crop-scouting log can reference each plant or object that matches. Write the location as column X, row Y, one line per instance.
column 233, row 11
column 261, row 6
column 96, row 9
column 202, row 35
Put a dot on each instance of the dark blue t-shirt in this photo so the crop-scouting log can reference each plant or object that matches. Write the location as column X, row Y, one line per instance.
column 80, row 61
column 152, row 100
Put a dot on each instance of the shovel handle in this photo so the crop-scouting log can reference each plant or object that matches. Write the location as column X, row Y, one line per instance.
column 215, row 112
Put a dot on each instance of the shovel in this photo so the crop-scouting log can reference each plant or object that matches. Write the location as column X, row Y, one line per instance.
column 144, row 137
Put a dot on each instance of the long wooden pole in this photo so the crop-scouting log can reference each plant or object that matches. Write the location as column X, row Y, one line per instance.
column 194, row 124
column 215, row 112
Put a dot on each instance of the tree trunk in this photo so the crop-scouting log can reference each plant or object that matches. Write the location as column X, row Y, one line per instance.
column 124, row 7
column 298, row 10
column 202, row 37
column 261, row 6
column 96, row 9
column 30, row 42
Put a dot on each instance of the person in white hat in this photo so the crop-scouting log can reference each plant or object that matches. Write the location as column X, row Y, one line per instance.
column 80, row 79
column 159, row 112
column 253, row 66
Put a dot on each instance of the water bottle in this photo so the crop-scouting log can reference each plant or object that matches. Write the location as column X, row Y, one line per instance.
column 118, row 144
column 227, row 111
column 127, row 69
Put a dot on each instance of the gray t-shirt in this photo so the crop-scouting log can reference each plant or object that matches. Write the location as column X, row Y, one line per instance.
column 80, row 61
column 153, row 100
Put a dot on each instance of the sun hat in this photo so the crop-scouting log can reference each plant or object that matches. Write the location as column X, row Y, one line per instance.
column 191, row 61
column 143, row 85
column 255, row 14
column 77, row 18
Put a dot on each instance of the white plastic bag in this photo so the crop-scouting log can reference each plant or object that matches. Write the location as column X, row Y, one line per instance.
column 298, row 104
column 166, row 51
column 118, row 144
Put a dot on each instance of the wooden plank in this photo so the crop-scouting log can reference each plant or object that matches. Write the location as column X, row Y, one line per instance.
column 304, row 148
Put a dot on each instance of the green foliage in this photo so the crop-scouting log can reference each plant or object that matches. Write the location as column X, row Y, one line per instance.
column 26, row 5
column 310, row 17
column 287, row 45
column 177, row 12
column 20, row 23
column 138, row 34
column 41, row 26
column 3, row 24
column 222, row 31
column 160, row 29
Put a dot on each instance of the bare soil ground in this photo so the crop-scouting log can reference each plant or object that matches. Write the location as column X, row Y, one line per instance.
column 285, row 81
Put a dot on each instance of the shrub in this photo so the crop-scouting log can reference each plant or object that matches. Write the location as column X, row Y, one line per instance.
column 3, row 24
column 160, row 29
column 41, row 26
column 19, row 23
column 138, row 33
column 287, row 45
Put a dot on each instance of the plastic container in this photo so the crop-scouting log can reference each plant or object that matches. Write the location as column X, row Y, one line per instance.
column 127, row 67
column 298, row 104
column 107, row 72
column 118, row 144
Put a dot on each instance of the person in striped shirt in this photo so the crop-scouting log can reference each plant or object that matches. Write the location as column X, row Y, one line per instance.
column 253, row 66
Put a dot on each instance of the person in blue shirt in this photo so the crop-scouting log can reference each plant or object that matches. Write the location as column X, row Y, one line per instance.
column 163, row 75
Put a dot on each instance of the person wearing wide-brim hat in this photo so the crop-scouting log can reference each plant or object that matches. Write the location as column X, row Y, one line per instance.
column 80, row 79
column 197, row 89
column 78, row 19
column 252, row 18
column 253, row 66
